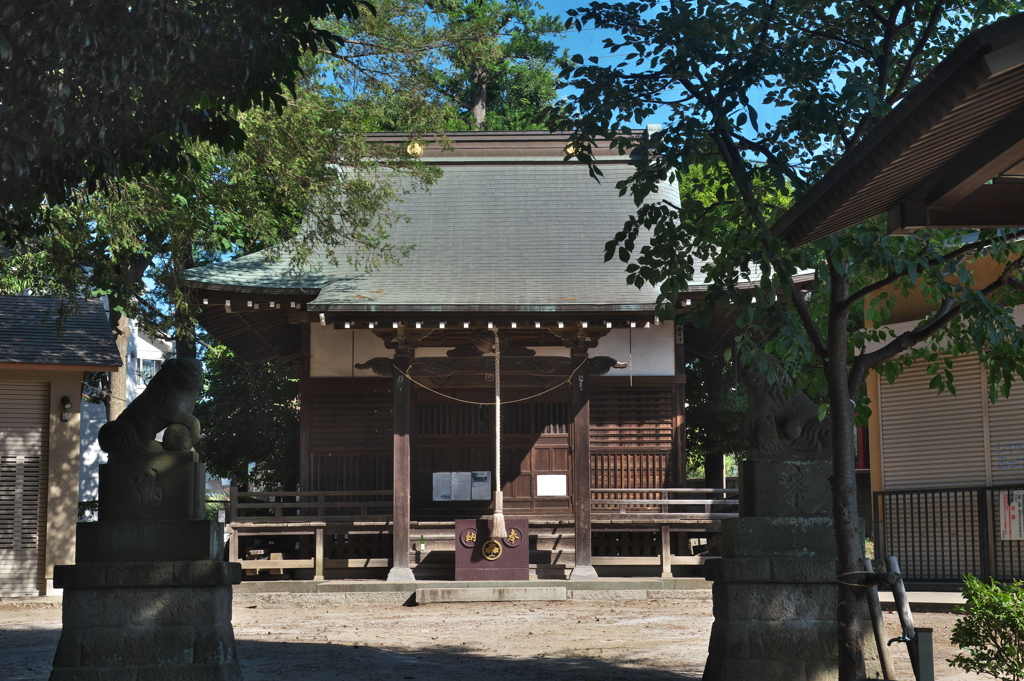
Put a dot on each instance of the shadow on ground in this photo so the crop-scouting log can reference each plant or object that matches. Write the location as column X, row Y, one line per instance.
column 276, row 661
column 29, row 653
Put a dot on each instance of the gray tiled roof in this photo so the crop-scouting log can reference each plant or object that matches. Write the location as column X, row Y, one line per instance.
column 29, row 333
column 524, row 237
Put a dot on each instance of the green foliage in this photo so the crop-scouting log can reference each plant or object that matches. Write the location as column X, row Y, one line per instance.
column 250, row 415
column 991, row 632
column 285, row 186
column 763, row 98
column 95, row 90
column 503, row 67
column 715, row 404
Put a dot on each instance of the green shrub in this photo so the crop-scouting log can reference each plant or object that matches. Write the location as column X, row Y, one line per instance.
column 991, row 632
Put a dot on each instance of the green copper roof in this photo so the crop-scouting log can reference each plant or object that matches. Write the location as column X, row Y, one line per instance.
column 512, row 237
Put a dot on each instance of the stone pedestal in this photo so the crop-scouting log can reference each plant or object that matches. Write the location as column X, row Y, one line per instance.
column 159, row 621
column 150, row 595
column 775, row 591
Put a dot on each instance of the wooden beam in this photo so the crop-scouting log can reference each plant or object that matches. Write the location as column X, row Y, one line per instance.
column 993, row 153
column 998, row 205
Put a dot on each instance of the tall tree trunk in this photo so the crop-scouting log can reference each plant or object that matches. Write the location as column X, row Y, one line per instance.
column 714, row 461
column 117, row 397
column 849, row 546
column 478, row 97
column 184, row 319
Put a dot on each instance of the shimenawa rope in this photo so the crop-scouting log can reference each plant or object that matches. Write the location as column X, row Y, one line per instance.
column 498, row 530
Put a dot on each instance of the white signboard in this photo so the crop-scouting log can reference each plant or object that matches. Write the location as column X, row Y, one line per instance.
column 481, row 486
column 551, row 486
column 442, row 487
column 462, row 486
column 1011, row 514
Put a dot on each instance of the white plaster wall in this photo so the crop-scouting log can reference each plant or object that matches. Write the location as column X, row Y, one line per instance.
column 333, row 352
column 542, row 351
column 141, row 346
column 653, row 350
column 90, row 454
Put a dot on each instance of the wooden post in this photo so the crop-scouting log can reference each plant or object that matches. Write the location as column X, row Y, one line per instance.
column 714, row 463
column 306, row 413
column 233, row 546
column 878, row 625
column 318, row 556
column 400, row 570
column 580, row 404
column 678, row 476
column 899, row 594
column 666, row 552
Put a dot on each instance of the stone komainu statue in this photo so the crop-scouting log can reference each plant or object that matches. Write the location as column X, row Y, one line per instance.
column 781, row 421
column 166, row 403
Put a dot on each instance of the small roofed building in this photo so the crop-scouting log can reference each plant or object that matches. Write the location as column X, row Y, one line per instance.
column 398, row 387
column 944, row 468
column 43, row 359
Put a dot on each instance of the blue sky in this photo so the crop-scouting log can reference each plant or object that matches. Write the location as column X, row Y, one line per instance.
column 587, row 42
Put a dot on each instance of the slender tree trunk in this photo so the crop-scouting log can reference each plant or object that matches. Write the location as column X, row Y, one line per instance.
column 714, row 461
column 117, row 398
column 478, row 97
column 849, row 546
column 184, row 321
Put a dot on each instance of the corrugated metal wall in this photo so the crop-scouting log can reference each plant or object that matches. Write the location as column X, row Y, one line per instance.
column 931, row 440
column 24, row 457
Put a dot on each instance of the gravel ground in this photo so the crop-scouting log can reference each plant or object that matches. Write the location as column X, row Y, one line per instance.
column 661, row 639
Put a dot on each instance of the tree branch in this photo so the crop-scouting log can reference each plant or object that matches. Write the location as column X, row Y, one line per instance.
column 896, row 276
column 948, row 309
column 919, row 45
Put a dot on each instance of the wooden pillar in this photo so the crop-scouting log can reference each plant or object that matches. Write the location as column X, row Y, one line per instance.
column 305, row 414
column 678, row 475
column 580, row 404
column 400, row 570
column 714, row 462
column 666, row 552
column 318, row 554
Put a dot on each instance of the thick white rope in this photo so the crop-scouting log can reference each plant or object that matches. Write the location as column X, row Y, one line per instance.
column 498, row 522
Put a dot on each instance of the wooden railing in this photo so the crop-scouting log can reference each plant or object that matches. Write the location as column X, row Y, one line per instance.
column 278, row 507
column 691, row 502
column 629, row 512
column 644, row 510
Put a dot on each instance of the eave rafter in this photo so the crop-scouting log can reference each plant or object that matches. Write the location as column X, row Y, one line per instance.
column 999, row 205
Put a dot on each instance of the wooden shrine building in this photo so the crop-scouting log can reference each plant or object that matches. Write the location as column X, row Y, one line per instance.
column 397, row 416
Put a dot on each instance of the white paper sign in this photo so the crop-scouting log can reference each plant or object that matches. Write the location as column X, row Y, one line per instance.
column 442, row 487
column 461, row 486
column 481, row 486
column 1011, row 514
column 551, row 486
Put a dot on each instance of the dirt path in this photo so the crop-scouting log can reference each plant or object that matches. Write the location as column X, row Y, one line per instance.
column 649, row 640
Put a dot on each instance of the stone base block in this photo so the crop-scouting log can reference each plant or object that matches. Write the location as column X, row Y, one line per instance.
column 158, row 621
column 785, row 487
column 156, row 486
column 170, row 540
column 775, row 620
column 810, row 537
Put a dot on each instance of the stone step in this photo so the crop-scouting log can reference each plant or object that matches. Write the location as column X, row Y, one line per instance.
column 490, row 594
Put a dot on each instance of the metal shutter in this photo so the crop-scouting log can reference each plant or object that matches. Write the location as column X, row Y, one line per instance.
column 24, row 455
column 931, row 440
column 1006, row 437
